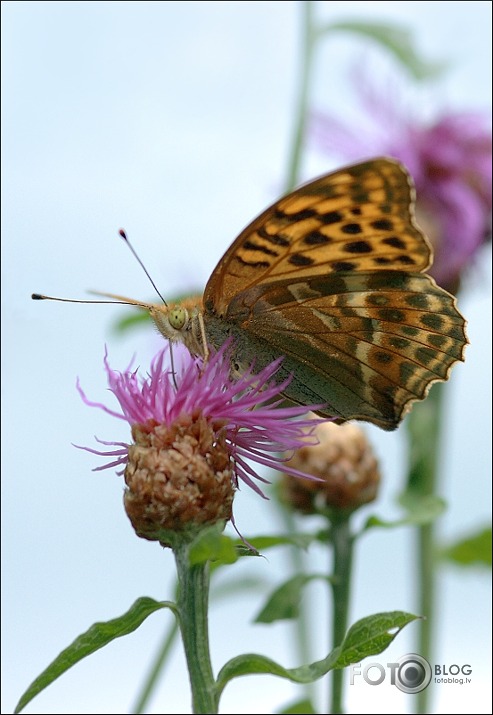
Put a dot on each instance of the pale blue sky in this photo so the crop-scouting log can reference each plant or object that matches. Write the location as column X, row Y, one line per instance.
column 173, row 120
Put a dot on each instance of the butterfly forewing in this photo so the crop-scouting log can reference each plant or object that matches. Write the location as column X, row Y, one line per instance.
column 358, row 218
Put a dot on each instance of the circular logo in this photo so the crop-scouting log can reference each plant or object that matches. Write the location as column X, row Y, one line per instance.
column 414, row 673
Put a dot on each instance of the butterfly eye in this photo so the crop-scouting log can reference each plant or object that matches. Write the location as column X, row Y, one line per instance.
column 236, row 369
column 178, row 317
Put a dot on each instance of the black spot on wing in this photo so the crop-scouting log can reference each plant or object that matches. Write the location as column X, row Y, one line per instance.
column 382, row 261
column 392, row 315
column 358, row 247
column 275, row 238
column 253, row 264
column 382, row 224
column 297, row 216
column 381, row 357
column 395, row 242
column 340, row 266
column 351, row 228
column 406, row 260
column 315, row 238
column 330, row 217
column 298, row 259
column 251, row 246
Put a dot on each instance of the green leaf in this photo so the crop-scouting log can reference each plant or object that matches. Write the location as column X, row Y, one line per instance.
column 369, row 636
column 262, row 543
column 234, row 586
column 397, row 40
column 256, row 546
column 213, row 545
column 475, row 550
column 130, row 321
column 284, row 602
column 421, row 510
column 299, row 708
column 98, row 635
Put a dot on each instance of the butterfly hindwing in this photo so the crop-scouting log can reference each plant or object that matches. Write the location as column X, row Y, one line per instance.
column 366, row 344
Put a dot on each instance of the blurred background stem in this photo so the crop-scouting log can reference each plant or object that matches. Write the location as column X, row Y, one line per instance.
column 424, row 427
column 148, row 688
column 308, row 40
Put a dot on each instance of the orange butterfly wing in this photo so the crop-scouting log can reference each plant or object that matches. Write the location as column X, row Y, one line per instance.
column 358, row 216
column 331, row 277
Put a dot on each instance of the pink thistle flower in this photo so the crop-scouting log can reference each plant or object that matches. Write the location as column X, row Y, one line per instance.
column 203, row 429
column 449, row 160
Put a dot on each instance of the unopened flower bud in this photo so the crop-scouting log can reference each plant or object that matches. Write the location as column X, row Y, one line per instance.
column 344, row 460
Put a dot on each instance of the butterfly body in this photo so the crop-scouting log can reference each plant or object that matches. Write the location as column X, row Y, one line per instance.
column 332, row 278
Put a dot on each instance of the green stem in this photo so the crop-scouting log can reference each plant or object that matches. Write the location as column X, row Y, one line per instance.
column 424, row 426
column 148, row 687
column 193, row 599
column 342, row 542
column 426, row 597
column 302, row 622
column 309, row 36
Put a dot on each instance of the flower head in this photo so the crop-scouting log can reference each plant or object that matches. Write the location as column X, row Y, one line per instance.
column 347, row 467
column 193, row 436
column 450, row 162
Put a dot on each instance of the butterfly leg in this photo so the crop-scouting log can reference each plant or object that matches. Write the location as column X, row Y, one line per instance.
column 202, row 337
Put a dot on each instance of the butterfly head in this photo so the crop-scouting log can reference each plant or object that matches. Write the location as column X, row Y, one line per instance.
column 181, row 323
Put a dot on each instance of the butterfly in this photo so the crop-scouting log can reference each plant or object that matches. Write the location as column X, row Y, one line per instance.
column 332, row 278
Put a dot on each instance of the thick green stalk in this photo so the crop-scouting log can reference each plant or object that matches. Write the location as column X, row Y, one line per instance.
column 193, row 600
column 342, row 542
column 424, row 426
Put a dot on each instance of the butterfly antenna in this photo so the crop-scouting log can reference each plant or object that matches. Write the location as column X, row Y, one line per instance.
column 40, row 296
column 137, row 257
